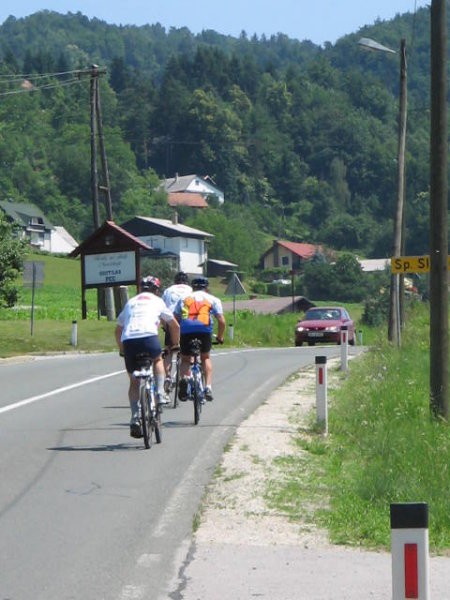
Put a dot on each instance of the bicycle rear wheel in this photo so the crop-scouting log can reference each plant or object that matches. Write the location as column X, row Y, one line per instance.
column 144, row 401
column 197, row 399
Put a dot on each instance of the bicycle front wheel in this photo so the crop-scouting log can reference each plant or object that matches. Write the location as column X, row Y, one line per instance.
column 176, row 381
column 144, row 400
column 156, row 423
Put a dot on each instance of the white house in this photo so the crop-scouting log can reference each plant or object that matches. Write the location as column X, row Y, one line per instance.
column 61, row 241
column 369, row 265
column 194, row 184
column 34, row 226
column 171, row 238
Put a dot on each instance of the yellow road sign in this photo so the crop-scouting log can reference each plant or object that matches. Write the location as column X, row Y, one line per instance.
column 412, row 264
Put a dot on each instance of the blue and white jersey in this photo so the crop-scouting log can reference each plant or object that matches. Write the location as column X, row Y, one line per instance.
column 173, row 293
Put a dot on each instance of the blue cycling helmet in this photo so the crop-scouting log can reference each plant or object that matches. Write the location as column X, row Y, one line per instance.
column 199, row 283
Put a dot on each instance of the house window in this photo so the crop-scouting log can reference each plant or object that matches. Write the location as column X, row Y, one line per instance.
column 285, row 261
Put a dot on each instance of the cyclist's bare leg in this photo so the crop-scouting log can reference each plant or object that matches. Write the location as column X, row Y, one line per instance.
column 167, row 361
column 159, row 373
column 207, row 368
column 185, row 365
column 133, row 394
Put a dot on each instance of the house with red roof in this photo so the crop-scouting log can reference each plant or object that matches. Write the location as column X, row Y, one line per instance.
column 191, row 190
column 191, row 199
column 288, row 255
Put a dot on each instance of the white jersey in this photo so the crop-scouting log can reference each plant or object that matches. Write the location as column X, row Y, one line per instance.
column 142, row 315
column 174, row 293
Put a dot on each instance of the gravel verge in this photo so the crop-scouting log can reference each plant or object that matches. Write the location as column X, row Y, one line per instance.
column 234, row 508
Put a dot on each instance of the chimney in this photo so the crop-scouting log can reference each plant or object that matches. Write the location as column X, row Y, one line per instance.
column 175, row 218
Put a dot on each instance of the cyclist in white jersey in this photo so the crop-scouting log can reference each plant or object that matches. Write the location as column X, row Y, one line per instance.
column 137, row 332
column 179, row 289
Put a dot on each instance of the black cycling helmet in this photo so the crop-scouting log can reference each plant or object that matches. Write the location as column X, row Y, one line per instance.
column 200, row 283
column 150, row 284
column 181, row 277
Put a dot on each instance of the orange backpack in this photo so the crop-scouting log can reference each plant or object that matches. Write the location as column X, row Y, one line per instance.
column 196, row 310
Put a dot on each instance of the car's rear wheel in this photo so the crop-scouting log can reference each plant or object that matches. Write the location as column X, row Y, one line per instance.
column 311, row 343
column 298, row 343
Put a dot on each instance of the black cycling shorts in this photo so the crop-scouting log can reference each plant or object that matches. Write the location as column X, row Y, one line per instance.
column 185, row 342
column 131, row 348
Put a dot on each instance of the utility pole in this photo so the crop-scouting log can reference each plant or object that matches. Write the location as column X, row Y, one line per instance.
column 396, row 294
column 438, row 214
column 105, row 296
column 97, row 132
column 94, row 172
column 106, row 188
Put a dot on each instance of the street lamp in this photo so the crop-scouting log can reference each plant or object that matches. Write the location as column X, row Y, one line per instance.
column 396, row 289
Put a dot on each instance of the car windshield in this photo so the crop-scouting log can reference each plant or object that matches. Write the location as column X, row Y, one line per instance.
column 322, row 314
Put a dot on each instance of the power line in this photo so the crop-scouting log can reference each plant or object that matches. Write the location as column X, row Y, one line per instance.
column 20, row 76
column 49, row 86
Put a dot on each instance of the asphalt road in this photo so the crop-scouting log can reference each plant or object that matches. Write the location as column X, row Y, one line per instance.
column 85, row 512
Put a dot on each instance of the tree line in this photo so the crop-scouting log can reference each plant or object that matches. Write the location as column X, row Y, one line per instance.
column 302, row 139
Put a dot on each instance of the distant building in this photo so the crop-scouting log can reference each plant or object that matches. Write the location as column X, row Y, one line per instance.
column 288, row 255
column 369, row 265
column 172, row 239
column 33, row 225
column 191, row 190
column 219, row 268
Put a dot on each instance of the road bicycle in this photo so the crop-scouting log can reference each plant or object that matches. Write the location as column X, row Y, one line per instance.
column 196, row 383
column 172, row 382
column 149, row 408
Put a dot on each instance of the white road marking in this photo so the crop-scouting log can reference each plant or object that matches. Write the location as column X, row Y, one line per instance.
column 57, row 391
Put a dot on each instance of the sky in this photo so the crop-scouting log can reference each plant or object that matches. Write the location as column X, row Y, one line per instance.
column 316, row 20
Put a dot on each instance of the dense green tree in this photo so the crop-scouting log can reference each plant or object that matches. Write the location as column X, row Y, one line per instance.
column 302, row 139
column 12, row 252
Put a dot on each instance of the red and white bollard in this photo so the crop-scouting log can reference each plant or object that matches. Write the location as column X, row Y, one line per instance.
column 344, row 348
column 409, row 547
column 321, row 392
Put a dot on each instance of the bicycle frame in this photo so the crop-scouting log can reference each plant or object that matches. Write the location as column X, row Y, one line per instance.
column 196, row 387
column 149, row 409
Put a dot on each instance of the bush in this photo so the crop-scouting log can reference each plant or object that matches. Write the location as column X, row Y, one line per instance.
column 376, row 310
column 343, row 280
column 258, row 287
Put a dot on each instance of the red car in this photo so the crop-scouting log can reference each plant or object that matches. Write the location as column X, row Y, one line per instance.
column 323, row 324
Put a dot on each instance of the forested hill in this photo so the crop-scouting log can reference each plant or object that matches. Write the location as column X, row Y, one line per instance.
column 302, row 139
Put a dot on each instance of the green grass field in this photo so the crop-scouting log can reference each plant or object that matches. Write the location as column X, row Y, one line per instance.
column 44, row 323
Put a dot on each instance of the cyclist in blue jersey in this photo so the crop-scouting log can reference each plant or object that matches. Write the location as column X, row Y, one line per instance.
column 195, row 313
column 136, row 333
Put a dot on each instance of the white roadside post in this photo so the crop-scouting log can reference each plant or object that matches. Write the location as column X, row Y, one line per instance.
column 321, row 392
column 360, row 337
column 409, row 547
column 74, row 337
column 344, row 348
